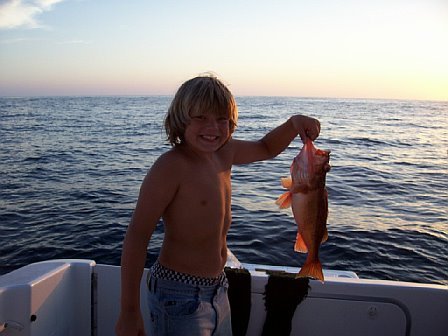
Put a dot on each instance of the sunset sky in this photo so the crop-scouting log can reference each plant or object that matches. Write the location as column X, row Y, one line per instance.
column 319, row 48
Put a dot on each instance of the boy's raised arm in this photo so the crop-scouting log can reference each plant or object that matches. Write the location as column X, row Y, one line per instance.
column 276, row 141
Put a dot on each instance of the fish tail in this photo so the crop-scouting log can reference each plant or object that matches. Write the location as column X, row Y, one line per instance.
column 311, row 269
column 284, row 201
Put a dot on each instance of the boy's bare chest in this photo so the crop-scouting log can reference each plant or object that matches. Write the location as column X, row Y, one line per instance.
column 209, row 185
column 202, row 204
column 205, row 185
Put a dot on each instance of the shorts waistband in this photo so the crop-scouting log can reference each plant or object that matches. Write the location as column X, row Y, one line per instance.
column 159, row 271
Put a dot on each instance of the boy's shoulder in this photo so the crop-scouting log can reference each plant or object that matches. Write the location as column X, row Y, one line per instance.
column 173, row 160
column 166, row 167
column 169, row 158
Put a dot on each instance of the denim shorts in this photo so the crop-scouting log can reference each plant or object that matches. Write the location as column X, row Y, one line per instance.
column 177, row 308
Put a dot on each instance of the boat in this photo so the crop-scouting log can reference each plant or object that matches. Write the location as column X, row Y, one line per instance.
column 80, row 297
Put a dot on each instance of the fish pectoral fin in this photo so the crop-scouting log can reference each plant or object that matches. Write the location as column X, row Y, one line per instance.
column 284, row 201
column 286, row 182
column 300, row 245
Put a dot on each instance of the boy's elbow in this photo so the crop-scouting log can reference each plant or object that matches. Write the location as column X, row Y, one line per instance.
column 138, row 233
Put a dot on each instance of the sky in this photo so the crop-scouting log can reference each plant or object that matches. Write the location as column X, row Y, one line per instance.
column 393, row 49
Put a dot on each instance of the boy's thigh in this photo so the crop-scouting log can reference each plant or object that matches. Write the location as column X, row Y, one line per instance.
column 222, row 308
column 180, row 313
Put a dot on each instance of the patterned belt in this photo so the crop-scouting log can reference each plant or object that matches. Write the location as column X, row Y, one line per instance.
column 159, row 271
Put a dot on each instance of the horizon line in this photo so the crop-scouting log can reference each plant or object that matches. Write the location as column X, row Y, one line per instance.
column 235, row 95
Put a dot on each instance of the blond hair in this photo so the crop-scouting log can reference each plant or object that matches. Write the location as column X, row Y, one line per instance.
column 199, row 95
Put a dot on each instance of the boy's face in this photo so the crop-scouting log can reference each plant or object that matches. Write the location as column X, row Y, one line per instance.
column 207, row 132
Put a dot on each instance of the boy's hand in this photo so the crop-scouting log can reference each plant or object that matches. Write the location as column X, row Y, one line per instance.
column 130, row 325
column 307, row 127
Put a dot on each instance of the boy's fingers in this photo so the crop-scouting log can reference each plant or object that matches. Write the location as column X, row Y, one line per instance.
column 313, row 132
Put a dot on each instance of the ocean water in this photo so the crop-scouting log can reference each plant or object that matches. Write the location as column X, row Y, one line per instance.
column 71, row 169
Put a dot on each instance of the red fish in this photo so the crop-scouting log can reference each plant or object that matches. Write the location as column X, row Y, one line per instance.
column 308, row 198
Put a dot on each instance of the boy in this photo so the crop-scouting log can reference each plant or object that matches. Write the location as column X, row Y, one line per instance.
column 189, row 188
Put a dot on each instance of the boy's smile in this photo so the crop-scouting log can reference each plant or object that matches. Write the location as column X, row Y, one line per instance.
column 209, row 137
column 207, row 132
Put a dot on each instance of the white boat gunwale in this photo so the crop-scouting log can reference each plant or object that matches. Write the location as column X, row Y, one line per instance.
column 84, row 296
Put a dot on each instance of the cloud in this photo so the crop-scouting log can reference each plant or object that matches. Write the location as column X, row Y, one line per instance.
column 23, row 13
column 76, row 42
column 15, row 40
